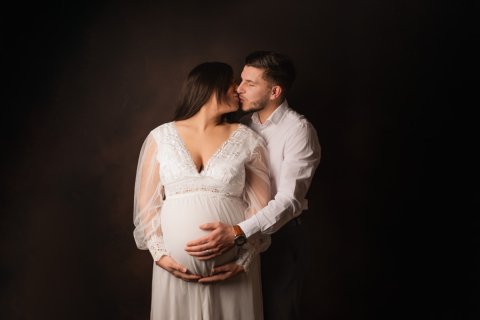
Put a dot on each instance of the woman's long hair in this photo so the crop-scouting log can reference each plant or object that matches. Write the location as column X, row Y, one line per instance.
column 204, row 80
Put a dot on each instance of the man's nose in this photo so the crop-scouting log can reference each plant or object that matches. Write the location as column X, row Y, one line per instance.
column 240, row 88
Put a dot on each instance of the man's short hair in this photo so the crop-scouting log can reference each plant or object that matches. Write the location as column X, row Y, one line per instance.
column 278, row 68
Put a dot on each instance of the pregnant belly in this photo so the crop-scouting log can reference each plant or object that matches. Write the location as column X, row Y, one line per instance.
column 181, row 218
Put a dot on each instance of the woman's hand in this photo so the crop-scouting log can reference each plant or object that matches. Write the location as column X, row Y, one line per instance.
column 223, row 272
column 179, row 271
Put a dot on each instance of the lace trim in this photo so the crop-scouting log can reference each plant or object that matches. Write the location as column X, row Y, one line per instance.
column 156, row 247
column 234, row 138
column 180, row 146
column 256, row 245
column 245, row 257
column 190, row 191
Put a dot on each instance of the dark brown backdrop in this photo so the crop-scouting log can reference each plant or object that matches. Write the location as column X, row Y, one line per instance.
column 85, row 83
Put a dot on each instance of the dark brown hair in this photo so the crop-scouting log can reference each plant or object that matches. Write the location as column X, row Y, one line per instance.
column 204, row 80
column 278, row 68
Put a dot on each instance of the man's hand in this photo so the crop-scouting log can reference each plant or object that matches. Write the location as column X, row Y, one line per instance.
column 219, row 240
column 223, row 272
column 179, row 271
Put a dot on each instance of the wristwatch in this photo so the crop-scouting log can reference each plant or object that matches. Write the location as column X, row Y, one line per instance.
column 239, row 237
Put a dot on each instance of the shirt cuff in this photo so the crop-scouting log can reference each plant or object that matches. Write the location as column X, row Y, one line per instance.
column 250, row 226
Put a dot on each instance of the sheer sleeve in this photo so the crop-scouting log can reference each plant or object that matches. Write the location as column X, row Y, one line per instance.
column 256, row 194
column 148, row 198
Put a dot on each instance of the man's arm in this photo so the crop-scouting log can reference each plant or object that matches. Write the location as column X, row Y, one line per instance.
column 301, row 158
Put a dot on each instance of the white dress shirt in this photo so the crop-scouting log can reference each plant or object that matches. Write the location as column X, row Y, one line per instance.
column 294, row 154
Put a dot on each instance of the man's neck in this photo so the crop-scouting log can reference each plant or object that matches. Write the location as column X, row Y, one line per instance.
column 266, row 112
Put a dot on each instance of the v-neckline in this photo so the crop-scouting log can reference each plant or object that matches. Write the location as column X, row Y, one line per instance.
column 215, row 154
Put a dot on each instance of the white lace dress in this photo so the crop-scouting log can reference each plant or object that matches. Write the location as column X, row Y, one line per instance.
column 172, row 199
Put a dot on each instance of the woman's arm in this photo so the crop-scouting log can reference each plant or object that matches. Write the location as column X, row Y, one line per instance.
column 148, row 200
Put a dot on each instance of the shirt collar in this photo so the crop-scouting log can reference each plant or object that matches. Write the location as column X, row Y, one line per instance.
column 274, row 117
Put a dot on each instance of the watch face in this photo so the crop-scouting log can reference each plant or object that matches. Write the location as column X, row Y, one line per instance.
column 240, row 240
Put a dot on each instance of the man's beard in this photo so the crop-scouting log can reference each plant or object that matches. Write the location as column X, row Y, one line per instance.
column 257, row 105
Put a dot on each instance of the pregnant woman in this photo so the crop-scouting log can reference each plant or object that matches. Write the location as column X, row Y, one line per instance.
column 197, row 169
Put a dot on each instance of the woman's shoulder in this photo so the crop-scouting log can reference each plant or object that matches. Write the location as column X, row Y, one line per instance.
column 241, row 129
column 160, row 132
column 249, row 136
column 236, row 126
column 164, row 127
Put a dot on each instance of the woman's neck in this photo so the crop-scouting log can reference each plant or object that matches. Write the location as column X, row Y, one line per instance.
column 204, row 120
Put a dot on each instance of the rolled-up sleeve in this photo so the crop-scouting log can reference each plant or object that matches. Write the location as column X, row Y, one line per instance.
column 301, row 157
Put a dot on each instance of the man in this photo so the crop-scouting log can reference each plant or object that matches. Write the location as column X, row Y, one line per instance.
column 294, row 154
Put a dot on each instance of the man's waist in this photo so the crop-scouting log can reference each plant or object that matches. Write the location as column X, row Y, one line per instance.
column 295, row 222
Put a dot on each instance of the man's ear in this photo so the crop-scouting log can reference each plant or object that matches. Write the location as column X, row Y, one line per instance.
column 276, row 92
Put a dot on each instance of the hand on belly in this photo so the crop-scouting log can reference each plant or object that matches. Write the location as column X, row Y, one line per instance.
column 180, row 227
column 175, row 243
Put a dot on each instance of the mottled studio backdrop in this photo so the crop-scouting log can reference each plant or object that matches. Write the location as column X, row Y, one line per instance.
column 83, row 84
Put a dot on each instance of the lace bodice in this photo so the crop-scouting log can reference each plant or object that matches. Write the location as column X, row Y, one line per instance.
column 166, row 170
column 223, row 173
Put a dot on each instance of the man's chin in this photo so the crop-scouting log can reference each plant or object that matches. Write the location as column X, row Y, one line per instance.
column 249, row 108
